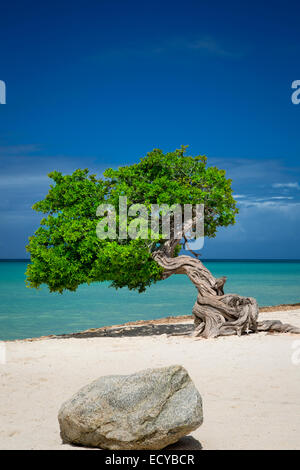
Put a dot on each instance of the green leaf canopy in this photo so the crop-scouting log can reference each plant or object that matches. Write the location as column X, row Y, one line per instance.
column 65, row 250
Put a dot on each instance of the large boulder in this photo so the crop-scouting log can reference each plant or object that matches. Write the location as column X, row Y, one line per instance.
column 146, row 410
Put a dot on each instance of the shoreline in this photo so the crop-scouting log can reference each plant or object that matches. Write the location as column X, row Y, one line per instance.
column 158, row 321
column 240, row 379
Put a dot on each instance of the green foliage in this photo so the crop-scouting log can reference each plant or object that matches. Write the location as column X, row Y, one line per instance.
column 65, row 251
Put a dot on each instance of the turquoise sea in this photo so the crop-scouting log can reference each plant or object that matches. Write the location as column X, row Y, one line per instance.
column 28, row 313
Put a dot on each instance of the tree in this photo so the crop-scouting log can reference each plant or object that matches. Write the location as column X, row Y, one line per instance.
column 66, row 252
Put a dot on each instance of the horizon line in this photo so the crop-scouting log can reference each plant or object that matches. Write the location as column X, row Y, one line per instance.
column 202, row 259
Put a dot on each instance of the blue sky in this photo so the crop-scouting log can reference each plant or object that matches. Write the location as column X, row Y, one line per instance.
column 99, row 83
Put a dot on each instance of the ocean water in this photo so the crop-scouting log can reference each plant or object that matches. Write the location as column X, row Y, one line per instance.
column 26, row 313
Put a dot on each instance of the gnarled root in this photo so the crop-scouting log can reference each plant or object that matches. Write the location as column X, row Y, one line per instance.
column 230, row 315
column 224, row 315
column 216, row 314
column 277, row 326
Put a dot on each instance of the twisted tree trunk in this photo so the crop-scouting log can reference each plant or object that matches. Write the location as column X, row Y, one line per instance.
column 215, row 314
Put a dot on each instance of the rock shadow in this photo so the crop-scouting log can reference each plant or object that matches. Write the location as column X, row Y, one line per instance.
column 185, row 443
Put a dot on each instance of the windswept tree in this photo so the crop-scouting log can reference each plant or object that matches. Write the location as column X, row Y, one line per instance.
column 66, row 251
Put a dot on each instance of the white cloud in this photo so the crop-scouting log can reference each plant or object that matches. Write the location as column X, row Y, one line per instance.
column 211, row 46
column 286, row 185
column 281, row 197
column 199, row 45
column 23, row 180
column 19, row 150
column 279, row 203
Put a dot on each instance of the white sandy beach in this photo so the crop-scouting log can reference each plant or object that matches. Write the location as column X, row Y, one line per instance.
column 249, row 385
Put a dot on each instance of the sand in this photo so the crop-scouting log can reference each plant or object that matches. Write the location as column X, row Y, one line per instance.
column 250, row 385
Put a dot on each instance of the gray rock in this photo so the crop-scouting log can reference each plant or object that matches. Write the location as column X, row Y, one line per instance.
column 147, row 410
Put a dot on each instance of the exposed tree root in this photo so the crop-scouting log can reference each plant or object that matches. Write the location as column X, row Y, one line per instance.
column 277, row 326
column 216, row 314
